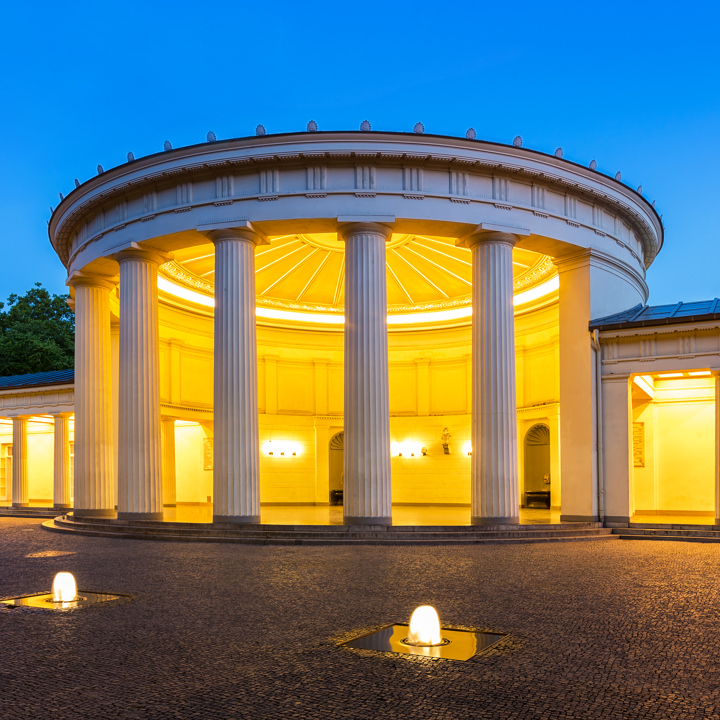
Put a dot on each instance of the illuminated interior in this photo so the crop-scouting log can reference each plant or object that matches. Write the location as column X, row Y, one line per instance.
column 673, row 416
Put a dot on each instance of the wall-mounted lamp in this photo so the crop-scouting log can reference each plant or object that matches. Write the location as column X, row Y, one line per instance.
column 467, row 448
column 280, row 448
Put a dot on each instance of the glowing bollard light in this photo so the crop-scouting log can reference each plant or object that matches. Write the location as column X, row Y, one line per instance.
column 64, row 588
column 424, row 628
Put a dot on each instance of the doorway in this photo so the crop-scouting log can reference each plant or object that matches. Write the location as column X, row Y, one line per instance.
column 537, row 467
column 337, row 459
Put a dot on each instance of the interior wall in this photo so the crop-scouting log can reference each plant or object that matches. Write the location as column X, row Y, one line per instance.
column 300, row 382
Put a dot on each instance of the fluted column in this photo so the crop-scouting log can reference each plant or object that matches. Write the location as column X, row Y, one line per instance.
column 168, row 462
column 61, row 466
column 494, row 470
column 20, row 462
column 236, row 447
column 94, row 481
column 140, row 490
column 367, row 494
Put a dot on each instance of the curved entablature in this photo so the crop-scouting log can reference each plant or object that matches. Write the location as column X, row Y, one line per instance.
column 301, row 183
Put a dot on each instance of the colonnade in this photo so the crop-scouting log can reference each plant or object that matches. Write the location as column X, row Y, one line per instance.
column 236, row 480
column 19, row 481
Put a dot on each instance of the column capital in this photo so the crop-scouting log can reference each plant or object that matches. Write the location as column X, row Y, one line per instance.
column 61, row 414
column 146, row 254
column 19, row 416
column 371, row 224
column 492, row 233
column 234, row 230
column 83, row 279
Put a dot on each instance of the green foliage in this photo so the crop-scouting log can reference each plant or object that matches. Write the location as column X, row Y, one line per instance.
column 37, row 333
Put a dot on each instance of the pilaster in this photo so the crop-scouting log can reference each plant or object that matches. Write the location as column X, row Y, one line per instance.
column 617, row 449
column 168, row 462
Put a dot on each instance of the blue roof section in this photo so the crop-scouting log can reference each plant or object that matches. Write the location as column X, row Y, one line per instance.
column 54, row 377
column 649, row 315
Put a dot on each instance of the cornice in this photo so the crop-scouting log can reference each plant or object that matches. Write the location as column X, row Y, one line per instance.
column 198, row 161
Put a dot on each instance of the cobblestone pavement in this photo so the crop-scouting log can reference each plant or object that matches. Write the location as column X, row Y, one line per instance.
column 609, row 629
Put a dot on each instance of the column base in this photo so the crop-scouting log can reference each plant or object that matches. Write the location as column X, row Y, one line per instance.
column 617, row 521
column 62, row 506
column 92, row 512
column 237, row 519
column 140, row 516
column 20, row 505
column 347, row 520
column 169, row 505
column 579, row 518
column 495, row 521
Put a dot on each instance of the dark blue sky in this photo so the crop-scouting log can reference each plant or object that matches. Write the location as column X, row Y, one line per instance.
column 635, row 85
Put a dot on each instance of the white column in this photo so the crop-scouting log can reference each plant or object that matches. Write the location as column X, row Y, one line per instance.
column 168, row 462
column 494, row 467
column 367, row 496
column 617, row 449
column 236, row 447
column 20, row 462
column 140, row 490
column 94, row 480
column 61, row 467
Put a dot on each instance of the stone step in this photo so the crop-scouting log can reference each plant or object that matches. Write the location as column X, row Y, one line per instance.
column 321, row 532
column 695, row 534
column 28, row 512
column 326, row 528
column 292, row 538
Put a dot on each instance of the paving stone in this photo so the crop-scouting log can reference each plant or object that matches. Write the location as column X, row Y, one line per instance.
column 597, row 629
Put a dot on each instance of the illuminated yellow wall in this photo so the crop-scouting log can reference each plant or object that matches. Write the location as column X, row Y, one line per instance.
column 300, row 398
column 679, row 425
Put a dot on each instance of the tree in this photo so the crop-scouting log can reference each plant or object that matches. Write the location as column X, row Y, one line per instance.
column 37, row 333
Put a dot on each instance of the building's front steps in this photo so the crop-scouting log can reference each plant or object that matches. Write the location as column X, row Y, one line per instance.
column 326, row 534
column 663, row 531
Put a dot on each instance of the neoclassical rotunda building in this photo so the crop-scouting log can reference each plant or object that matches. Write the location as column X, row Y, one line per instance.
column 379, row 321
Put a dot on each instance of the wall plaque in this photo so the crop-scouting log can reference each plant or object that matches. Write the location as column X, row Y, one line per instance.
column 639, row 444
column 207, row 453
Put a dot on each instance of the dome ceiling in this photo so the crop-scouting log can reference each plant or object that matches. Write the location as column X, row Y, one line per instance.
column 306, row 272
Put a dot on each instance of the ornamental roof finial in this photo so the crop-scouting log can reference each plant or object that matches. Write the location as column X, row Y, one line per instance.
column 471, row 134
column 419, row 128
column 77, row 183
column 260, row 130
column 593, row 165
column 559, row 153
column 167, row 145
column 618, row 176
column 365, row 126
column 130, row 156
column 100, row 170
column 517, row 142
column 312, row 126
column 211, row 137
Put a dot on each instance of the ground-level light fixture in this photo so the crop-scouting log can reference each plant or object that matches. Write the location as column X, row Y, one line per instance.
column 64, row 596
column 426, row 637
